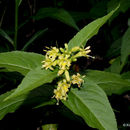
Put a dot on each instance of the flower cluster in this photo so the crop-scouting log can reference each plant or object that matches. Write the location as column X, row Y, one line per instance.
column 63, row 87
column 62, row 58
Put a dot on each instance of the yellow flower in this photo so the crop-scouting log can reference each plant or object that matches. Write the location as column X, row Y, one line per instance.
column 65, row 50
column 62, row 58
column 53, row 53
column 64, row 63
column 62, row 89
column 82, row 52
column 60, row 72
column 76, row 79
column 47, row 64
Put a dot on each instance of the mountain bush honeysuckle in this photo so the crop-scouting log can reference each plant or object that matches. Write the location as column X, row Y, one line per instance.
column 62, row 58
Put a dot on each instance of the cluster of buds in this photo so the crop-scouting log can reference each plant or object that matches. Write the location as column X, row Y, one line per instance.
column 62, row 58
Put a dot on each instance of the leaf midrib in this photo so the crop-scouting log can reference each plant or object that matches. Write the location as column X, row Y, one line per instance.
column 11, row 104
column 14, row 65
column 87, row 107
column 32, row 84
column 90, row 33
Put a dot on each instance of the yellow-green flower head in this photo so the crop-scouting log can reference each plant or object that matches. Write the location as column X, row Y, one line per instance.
column 65, row 50
column 52, row 53
column 81, row 52
column 77, row 79
column 62, row 89
column 62, row 58
column 64, row 63
column 47, row 64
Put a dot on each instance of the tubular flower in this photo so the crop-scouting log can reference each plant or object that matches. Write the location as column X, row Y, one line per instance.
column 64, row 63
column 62, row 58
column 82, row 52
column 47, row 64
column 77, row 79
column 62, row 89
column 53, row 53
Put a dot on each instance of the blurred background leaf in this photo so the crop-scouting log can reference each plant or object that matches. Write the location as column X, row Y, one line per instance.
column 125, row 47
column 34, row 37
column 55, row 13
column 6, row 36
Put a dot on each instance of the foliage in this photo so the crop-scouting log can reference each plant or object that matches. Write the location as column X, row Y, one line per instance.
column 38, row 82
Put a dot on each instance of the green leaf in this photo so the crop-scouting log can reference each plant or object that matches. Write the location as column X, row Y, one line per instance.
column 50, row 127
column 129, row 22
column 37, row 97
column 3, row 70
column 34, row 79
column 125, row 47
column 19, row 61
column 5, row 105
column 51, row 102
column 111, row 83
column 55, row 13
column 126, row 75
column 91, row 103
column 34, row 37
column 6, row 36
column 116, row 66
column 114, row 49
column 89, row 31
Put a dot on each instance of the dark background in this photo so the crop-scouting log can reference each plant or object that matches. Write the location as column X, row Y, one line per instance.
column 58, row 33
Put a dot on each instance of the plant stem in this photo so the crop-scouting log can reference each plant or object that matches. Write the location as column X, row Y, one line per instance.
column 1, row 21
column 16, row 24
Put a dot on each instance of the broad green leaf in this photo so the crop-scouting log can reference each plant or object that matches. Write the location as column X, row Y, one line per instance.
column 111, row 83
column 116, row 66
column 88, row 31
column 55, row 13
column 125, row 47
column 34, row 79
column 4, row 106
column 114, row 49
column 126, row 75
column 20, row 61
column 3, row 70
column 91, row 103
column 34, row 37
column 6, row 36
column 37, row 97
